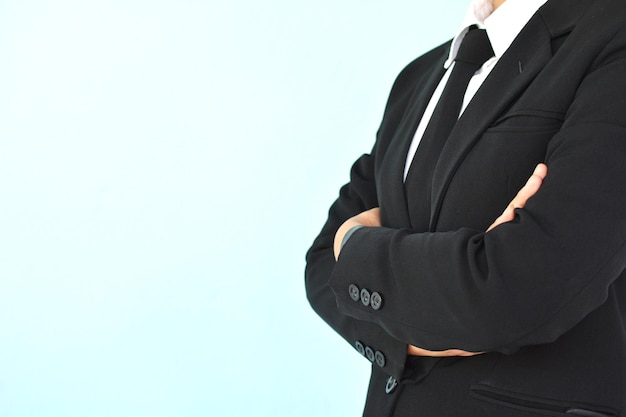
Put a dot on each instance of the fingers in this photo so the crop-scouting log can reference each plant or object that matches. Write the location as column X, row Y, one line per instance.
column 373, row 217
column 369, row 218
column 416, row 351
column 531, row 187
column 519, row 201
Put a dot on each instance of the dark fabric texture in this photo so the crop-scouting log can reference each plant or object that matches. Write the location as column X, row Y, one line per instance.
column 545, row 294
column 474, row 51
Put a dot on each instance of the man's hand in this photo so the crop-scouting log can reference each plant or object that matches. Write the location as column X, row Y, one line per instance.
column 369, row 218
column 519, row 201
column 415, row 351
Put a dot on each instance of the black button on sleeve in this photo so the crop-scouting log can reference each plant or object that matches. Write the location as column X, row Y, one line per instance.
column 376, row 300
column 369, row 354
column 354, row 292
column 392, row 384
column 360, row 348
column 380, row 359
column 365, row 297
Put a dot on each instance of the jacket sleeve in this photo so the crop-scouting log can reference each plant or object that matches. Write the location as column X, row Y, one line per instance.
column 527, row 281
column 389, row 352
column 355, row 197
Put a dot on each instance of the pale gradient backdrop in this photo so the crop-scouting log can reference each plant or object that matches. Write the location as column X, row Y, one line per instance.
column 164, row 165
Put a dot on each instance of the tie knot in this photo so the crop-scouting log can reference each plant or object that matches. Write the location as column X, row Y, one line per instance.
column 475, row 48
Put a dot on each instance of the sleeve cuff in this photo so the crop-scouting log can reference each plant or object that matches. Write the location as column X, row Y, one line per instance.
column 349, row 234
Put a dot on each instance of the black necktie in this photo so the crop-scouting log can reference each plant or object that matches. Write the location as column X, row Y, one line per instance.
column 475, row 49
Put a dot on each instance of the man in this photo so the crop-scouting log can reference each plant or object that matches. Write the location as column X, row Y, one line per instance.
column 462, row 315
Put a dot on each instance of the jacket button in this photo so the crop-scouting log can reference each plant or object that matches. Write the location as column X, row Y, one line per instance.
column 360, row 348
column 380, row 359
column 392, row 384
column 354, row 292
column 369, row 354
column 365, row 297
column 376, row 300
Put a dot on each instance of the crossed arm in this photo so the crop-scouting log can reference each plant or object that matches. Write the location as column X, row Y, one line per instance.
column 371, row 218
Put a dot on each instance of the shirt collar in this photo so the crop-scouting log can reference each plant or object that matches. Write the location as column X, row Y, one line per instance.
column 502, row 25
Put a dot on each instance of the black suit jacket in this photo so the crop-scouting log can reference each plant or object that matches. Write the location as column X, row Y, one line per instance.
column 545, row 294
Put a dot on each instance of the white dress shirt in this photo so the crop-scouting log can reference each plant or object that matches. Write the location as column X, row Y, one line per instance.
column 502, row 25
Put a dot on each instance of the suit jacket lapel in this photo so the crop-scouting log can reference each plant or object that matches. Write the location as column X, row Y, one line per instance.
column 392, row 198
column 515, row 70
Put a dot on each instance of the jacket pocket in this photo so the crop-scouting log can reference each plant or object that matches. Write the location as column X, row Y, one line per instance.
column 538, row 405
column 528, row 121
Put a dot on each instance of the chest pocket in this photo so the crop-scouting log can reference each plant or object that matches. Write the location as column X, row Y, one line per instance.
column 496, row 168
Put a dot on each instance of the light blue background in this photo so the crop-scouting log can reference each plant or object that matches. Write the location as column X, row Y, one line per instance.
column 164, row 165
